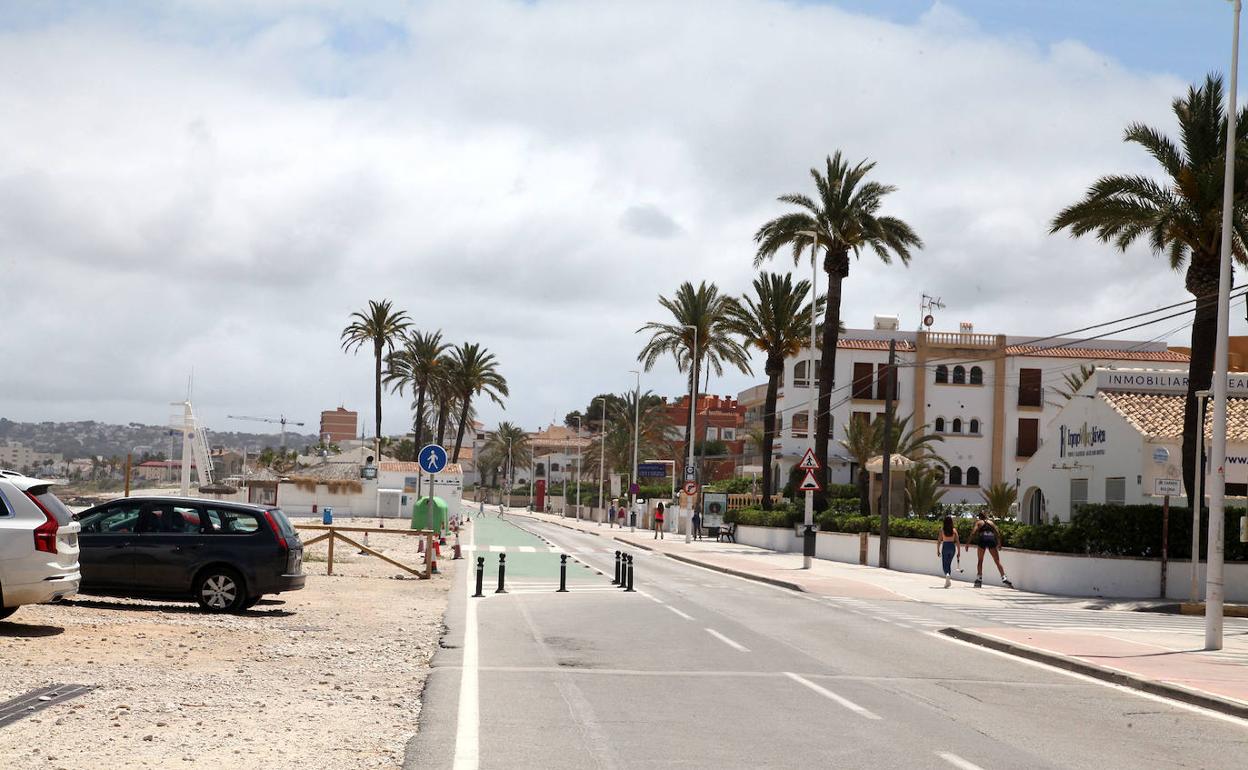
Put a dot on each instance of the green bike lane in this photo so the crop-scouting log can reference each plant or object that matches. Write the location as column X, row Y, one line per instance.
column 530, row 560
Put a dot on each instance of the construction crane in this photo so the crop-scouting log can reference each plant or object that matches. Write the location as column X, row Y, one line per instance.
column 276, row 420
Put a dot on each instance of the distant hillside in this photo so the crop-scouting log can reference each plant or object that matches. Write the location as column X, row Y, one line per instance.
column 90, row 438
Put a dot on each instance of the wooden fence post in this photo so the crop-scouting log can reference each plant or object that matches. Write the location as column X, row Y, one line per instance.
column 330, row 568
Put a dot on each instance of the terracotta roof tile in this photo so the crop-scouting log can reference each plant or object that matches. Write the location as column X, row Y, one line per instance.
column 1161, row 416
column 852, row 344
column 1112, row 354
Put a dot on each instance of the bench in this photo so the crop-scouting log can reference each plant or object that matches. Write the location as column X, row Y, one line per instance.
column 727, row 532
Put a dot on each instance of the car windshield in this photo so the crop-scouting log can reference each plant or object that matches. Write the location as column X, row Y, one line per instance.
column 53, row 503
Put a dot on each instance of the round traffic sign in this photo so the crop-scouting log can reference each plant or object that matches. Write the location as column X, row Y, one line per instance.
column 432, row 458
column 691, row 488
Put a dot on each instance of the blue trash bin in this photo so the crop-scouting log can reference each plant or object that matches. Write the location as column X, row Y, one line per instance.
column 327, row 516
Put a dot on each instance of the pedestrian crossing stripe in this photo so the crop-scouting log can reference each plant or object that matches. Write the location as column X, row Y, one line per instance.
column 547, row 550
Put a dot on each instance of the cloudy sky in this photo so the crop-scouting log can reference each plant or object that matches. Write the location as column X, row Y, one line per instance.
column 215, row 185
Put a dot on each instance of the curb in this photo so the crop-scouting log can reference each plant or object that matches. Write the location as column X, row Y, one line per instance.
column 738, row 573
column 631, row 543
column 1171, row 691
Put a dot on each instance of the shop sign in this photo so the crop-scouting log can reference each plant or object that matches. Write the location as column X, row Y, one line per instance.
column 1081, row 441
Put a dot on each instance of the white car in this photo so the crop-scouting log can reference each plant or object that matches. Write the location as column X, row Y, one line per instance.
column 38, row 544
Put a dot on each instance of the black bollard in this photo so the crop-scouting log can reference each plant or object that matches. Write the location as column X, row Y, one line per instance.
column 480, row 575
column 563, row 574
column 502, row 572
column 630, row 574
column 616, row 582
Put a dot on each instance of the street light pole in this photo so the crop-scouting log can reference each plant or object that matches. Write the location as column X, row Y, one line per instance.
column 693, row 425
column 511, row 476
column 578, row 467
column 809, row 517
column 1217, row 492
column 602, row 453
column 632, row 498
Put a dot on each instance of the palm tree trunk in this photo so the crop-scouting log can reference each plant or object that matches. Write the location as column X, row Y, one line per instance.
column 377, row 350
column 444, row 409
column 459, row 434
column 420, row 417
column 1203, row 284
column 769, row 430
column 836, row 266
column 691, row 418
column 863, row 480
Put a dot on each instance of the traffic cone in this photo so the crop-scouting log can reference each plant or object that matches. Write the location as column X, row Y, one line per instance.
column 437, row 551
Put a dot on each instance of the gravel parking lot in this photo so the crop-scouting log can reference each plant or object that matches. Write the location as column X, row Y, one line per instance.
column 326, row 677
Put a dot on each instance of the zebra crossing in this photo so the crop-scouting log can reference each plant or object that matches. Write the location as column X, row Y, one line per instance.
column 482, row 548
column 529, row 587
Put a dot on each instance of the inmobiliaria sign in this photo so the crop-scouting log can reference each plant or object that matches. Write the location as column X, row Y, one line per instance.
column 1081, row 441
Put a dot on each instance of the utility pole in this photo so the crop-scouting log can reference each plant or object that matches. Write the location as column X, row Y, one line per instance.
column 602, row 453
column 886, row 496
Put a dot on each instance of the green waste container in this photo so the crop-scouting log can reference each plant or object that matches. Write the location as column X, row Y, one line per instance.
column 430, row 513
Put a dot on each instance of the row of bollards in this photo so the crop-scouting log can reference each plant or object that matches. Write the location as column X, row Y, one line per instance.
column 623, row 573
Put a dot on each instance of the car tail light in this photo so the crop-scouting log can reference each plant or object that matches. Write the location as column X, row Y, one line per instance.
column 281, row 539
column 45, row 533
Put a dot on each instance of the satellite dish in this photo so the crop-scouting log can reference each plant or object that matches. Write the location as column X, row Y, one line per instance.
column 928, row 320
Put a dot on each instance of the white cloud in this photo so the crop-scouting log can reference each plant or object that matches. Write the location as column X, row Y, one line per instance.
column 219, row 185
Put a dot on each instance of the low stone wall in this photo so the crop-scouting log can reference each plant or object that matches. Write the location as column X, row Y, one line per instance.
column 1042, row 572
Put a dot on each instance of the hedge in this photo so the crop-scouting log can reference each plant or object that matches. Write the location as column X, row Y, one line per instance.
column 1096, row 530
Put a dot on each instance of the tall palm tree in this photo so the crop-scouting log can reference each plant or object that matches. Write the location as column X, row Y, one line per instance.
column 707, row 310
column 382, row 326
column 618, row 436
column 475, row 373
column 864, row 439
column 442, row 390
column 844, row 219
column 508, row 438
column 1181, row 217
column 775, row 320
column 416, row 365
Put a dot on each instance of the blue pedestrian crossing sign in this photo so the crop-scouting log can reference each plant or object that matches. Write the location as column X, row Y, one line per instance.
column 432, row 458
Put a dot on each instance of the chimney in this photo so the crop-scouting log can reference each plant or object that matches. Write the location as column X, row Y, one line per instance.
column 886, row 323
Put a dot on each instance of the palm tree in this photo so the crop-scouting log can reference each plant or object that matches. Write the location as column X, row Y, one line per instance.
column 508, row 438
column 475, row 372
column 416, row 365
column 381, row 325
column 864, row 439
column 775, row 320
column 999, row 497
column 1075, row 380
column 710, row 312
column 923, row 489
column 618, row 436
column 843, row 219
column 442, row 389
column 1181, row 217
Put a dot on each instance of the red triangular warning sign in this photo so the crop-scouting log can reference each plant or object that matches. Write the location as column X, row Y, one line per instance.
column 810, row 483
column 809, row 462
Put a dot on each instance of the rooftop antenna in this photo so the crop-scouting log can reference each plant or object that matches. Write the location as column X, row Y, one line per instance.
column 926, row 306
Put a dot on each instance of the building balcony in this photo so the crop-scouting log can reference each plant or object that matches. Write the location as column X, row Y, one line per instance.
column 960, row 340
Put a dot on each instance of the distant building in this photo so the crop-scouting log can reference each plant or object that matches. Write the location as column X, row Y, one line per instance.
column 159, row 470
column 754, row 401
column 719, row 419
column 340, row 424
column 16, row 456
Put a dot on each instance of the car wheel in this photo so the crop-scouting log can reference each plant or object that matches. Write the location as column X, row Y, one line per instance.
column 220, row 589
column 7, row 611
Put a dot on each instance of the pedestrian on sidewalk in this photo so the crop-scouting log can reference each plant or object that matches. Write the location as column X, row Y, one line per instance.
column 658, row 521
column 947, row 547
column 611, row 515
column 986, row 537
column 697, row 524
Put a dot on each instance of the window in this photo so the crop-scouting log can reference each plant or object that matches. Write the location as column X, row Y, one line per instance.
column 712, row 434
column 231, row 521
column 977, row 376
column 972, row 476
column 940, row 424
column 728, row 434
column 1028, row 436
column 942, row 374
column 957, row 424
column 1029, row 390
column 955, row 476
column 539, row 469
column 886, row 382
column 116, row 519
column 864, row 376
column 1078, row 494
column 862, row 418
column 799, row 423
column 959, row 375
column 974, row 428
column 800, row 378
column 554, row 467
column 1116, row 491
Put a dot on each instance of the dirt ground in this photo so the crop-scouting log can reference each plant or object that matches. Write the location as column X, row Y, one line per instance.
column 326, row 677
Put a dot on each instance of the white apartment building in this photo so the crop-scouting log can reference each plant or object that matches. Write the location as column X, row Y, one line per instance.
column 987, row 395
column 16, row 456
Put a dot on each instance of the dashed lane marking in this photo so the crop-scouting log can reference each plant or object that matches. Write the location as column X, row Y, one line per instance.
column 734, row 645
column 684, row 615
column 957, row 761
column 825, row 692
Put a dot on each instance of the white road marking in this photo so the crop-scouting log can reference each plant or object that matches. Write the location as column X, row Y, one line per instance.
column 651, row 598
column 467, row 731
column 678, row 612
column 957, row 761
column 735, row 645
column 846, row 702
column 527, row 549
column 498, row 549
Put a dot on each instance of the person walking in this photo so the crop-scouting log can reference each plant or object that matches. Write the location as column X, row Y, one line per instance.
column 947, row 548
column 697, row 524
column 611, row 515
column 986, row 537
column 658, row 521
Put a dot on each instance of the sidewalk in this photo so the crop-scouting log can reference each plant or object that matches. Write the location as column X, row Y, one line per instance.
column 1169, row 660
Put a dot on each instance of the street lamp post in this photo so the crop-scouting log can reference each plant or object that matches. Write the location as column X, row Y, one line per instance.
column 693, row 423
column 602, row 452
column 1217, row 492
column 578, row 467
column 511, row 476
column 809, row 518
column 632, row 497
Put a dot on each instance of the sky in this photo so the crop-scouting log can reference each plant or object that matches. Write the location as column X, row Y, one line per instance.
column 211, row 187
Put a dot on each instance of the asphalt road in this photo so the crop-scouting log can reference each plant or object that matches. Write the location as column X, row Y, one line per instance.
column 699, row 669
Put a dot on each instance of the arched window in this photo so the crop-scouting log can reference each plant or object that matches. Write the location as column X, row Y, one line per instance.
column 940, row 473
column 940, row 424
column 942, row 374
column 974, row 428
column 977, row 376
column 539, row 469
column 957, row 424
column 955, row 476
column 959, row 375
column 972, row 476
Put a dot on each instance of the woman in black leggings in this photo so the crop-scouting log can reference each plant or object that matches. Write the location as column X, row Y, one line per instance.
column 986, row 537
